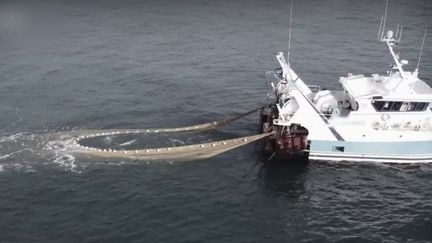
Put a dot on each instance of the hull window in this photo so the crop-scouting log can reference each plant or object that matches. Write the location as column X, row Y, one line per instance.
column 338, row 149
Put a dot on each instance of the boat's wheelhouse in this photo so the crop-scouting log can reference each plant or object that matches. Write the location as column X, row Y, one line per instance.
column 376, row 94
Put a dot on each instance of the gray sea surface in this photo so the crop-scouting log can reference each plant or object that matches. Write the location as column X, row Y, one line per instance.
column 145, row 64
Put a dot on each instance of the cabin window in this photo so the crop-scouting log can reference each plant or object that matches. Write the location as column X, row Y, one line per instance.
column 396, row 106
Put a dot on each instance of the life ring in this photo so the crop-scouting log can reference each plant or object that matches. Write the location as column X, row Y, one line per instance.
column 376, row 125
column 385, row 117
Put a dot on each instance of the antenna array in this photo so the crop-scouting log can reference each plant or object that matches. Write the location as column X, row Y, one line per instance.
column 381, row 32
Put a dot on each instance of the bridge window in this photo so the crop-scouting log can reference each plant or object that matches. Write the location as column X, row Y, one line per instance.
column 398, row 106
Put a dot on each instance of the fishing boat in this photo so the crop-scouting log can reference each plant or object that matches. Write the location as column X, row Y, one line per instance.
column 378, row 118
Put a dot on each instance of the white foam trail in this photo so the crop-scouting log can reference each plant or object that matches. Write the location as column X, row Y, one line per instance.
column 21, row 151
column 5, row 156
column 62, row 152
column 108, row 139
column 128, row 142
column 66, row 161
column 176, row 142
column 11, row 138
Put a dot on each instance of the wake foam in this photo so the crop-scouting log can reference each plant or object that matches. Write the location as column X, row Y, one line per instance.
column 25, row 152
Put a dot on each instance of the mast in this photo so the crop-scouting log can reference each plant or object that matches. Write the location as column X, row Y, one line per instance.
column 289, row 34
column 421, row 51
column 392, row 41
column 384, row 20
column 379, row 30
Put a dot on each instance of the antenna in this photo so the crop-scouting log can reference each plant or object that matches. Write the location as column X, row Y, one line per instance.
column 384, row 21
column 289, row 34
column 379, row 31
column 397, row 31
column 400, row 33
column 421, row 49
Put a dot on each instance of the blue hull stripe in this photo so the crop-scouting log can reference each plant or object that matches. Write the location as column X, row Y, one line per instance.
column 371, row 149
column 353, row 157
